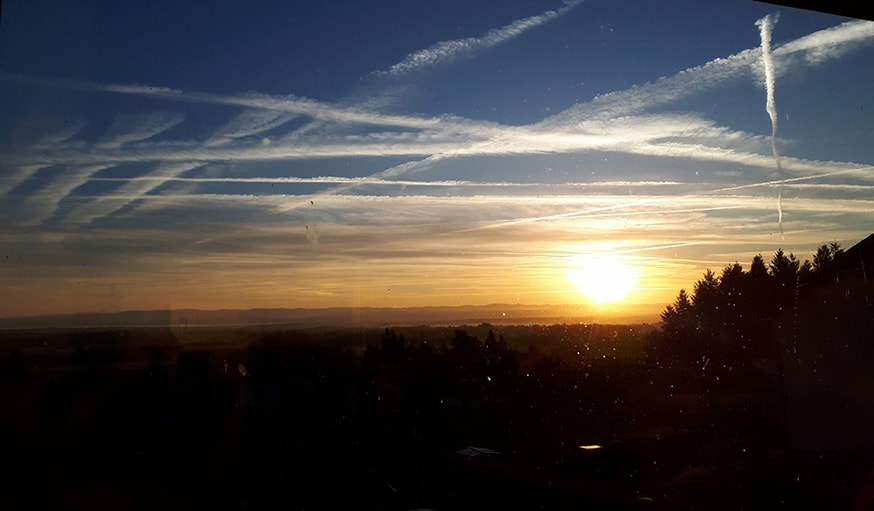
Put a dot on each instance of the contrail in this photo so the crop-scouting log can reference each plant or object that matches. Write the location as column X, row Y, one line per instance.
column 766, row 26
column 860, row 170
column 447, row 51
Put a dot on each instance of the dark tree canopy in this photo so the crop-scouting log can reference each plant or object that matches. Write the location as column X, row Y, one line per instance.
column 823, row 265
column 736, row 314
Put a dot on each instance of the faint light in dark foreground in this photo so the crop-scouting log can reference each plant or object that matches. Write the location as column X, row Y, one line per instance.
column 590, row 447
column 476, row 451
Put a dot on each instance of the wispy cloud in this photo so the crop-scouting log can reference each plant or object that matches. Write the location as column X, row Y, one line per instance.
column 412, row 213
column 805, row 51
column 60, row 136
column 128, row 128
column 12, row 176
column 376, row 181
column 45, row 201
column 574, row 130
column 446, row 52
column 682, row 136
column 248, row 123
column 766, row 27
column 131, row 190
column 827, row 44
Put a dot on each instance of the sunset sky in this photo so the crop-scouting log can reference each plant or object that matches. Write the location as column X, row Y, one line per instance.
column 231, row 154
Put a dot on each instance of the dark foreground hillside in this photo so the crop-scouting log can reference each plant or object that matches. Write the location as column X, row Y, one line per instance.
column 414, row 418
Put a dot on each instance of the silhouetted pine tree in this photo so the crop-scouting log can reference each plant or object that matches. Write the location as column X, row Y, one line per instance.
column 823, row 267
column 738, row 315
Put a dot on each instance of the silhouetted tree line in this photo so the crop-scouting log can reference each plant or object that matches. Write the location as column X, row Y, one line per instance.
column 469, row 390
column 313, row 419
column 736, row 316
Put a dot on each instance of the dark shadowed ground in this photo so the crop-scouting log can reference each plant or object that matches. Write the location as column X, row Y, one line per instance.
column 375, row 419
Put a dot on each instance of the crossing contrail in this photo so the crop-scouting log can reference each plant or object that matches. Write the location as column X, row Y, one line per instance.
column 766, row 27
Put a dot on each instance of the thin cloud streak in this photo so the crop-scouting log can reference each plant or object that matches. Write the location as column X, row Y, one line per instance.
column 813, row 49
column 446, row 52
column 60, row 136
column 391, row 172
column 23, row 173
column 605, row 212
column 390, row 182
column 500, row 206
column 45, row 202
column 497, row 141
column 860, row 171
column 521, row 141
column 641, row 137
column 369, row 233
column 288, row 104
column 828, row 44
column 766, row 27
column 248, row 123
column 105, row 205
column 129, row 128
column 672, row 150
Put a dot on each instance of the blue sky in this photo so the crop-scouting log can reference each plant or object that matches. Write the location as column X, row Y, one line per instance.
column 291, row 154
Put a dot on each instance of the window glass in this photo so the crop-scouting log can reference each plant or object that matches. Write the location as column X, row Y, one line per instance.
column 192, row 189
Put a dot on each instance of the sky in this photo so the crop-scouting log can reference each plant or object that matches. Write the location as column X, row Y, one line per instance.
column 231, row 154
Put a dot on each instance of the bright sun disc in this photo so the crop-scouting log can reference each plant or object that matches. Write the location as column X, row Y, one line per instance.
column 602, row 279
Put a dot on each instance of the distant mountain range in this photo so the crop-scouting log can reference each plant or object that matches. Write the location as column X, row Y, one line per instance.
column 339, row 316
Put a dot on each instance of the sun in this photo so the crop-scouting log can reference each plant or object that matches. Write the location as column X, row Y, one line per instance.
column 602, row 279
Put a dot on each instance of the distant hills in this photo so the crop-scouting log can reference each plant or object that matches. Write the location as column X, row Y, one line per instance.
column 338, row 316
